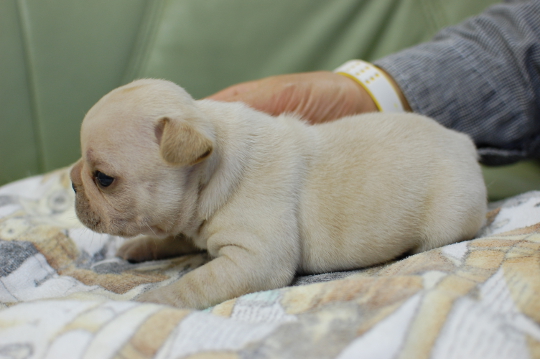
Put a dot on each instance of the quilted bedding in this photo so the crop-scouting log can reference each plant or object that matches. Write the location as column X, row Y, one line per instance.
column 64, row 294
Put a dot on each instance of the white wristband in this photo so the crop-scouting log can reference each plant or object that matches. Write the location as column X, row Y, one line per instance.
column 375, row 82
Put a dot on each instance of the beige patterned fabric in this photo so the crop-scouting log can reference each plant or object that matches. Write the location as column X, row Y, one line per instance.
column 65, row 295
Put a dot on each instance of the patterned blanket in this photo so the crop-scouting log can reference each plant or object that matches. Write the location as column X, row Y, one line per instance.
column 64, row 294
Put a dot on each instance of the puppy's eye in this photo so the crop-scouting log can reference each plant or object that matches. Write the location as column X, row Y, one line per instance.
column 103, row 180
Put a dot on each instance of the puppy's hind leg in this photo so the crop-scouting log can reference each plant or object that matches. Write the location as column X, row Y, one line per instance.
column 147, row 248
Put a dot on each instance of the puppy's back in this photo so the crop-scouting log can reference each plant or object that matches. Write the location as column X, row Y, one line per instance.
column 382, row 185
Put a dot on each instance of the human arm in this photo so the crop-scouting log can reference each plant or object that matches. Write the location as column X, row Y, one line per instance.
column 316, row 96
column 481, row 77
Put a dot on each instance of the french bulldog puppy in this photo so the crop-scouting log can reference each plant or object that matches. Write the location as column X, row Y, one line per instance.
column 267, row 197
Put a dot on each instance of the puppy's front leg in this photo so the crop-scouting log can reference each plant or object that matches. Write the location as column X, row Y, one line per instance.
column 235, row 271
column 146, row 248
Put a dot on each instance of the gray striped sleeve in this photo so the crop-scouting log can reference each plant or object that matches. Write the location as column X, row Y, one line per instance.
column 481, row 77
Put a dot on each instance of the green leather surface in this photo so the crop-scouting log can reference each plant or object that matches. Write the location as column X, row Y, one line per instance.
column 210, row 45
column 504, row 182
column 19, row 148
column 58, row 57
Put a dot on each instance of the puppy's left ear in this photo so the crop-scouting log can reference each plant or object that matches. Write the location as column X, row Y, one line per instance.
column 180, row 143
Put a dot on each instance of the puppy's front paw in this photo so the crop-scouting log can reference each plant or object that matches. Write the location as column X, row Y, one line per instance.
column 165, row 295
column 138, row 249
column 147, row 248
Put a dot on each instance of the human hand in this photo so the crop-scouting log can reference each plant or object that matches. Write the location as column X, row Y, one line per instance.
column 316, row 96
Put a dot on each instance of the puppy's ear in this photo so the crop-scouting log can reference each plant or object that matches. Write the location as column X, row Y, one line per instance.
column 180, row 143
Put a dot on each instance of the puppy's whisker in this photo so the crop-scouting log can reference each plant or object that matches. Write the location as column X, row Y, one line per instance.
column 150, row 228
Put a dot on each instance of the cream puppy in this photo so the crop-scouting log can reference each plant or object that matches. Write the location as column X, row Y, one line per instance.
column 268, row 197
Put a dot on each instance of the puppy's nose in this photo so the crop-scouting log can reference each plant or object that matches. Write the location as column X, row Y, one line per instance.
column 75, row 175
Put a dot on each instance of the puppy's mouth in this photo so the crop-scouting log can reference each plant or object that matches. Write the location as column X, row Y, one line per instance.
column 86, row 215
column 115, row 226
column 91, row 219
